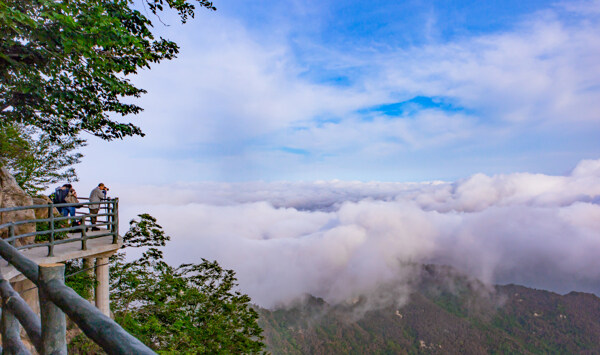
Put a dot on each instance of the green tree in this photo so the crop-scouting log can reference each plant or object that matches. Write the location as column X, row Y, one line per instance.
column 35, row 160
column 190, row 309
column 64, row 65
column 12, row 144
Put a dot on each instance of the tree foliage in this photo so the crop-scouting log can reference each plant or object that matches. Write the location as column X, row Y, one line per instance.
column 64, row 65
column 190, row 309
column 35, row 160
column 12, row 144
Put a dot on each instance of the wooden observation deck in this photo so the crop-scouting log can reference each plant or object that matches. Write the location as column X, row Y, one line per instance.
column 97, row 247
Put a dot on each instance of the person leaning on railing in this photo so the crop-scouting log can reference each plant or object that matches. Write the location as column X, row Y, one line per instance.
column 98, row 194
column 71, row 198
column 60, row 195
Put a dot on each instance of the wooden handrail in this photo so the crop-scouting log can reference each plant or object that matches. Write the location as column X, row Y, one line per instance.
column 96, row 325
column 20, row 208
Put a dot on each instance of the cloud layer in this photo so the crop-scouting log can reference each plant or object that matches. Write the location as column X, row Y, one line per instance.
column 339, row 240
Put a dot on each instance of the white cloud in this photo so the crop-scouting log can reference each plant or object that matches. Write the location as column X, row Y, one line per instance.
column 581, row 7
column 542, row 72
column 228, row 85
column 338, row 239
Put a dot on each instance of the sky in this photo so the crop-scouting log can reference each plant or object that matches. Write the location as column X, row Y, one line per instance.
column 344, row 139
column 368, row 91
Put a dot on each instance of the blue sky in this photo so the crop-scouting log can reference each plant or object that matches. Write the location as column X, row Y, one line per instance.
column 369, row 91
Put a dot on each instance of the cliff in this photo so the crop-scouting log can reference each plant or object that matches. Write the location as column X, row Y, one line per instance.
column 11, row 195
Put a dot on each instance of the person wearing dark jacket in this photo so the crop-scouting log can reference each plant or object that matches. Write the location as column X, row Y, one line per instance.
column 60, row 196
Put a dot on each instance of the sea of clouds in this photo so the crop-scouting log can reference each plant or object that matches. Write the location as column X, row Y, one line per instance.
column 340, row 239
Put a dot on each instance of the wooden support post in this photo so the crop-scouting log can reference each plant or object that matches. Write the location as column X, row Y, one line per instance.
column 11, row 333
column 83, row 236
column 115, row 225
column 102, row 286
column 54, row 325
column 51, row 236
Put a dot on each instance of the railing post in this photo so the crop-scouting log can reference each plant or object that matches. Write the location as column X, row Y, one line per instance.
column 83, row 233
column 11, row 333
column 51, row 237
column 108, row 216
column 115, row 225
column 106, row 208
column 51, row 216
column 54, row 325
column 11, row 234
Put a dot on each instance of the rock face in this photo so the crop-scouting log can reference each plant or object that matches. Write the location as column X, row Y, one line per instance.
column 42, row 213
column 11, row 195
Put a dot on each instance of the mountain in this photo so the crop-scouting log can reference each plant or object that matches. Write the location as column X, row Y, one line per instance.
column 447, row 313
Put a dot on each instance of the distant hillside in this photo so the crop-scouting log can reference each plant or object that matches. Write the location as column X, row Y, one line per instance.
column 447, row 314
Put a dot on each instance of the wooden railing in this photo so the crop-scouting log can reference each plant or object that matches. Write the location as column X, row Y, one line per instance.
column 48, row 332
column 107, row 208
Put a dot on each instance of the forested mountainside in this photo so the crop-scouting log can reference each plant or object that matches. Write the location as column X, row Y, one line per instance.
column 447, row 313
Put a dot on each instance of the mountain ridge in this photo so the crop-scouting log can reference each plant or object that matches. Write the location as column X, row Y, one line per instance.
column 448, row 313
